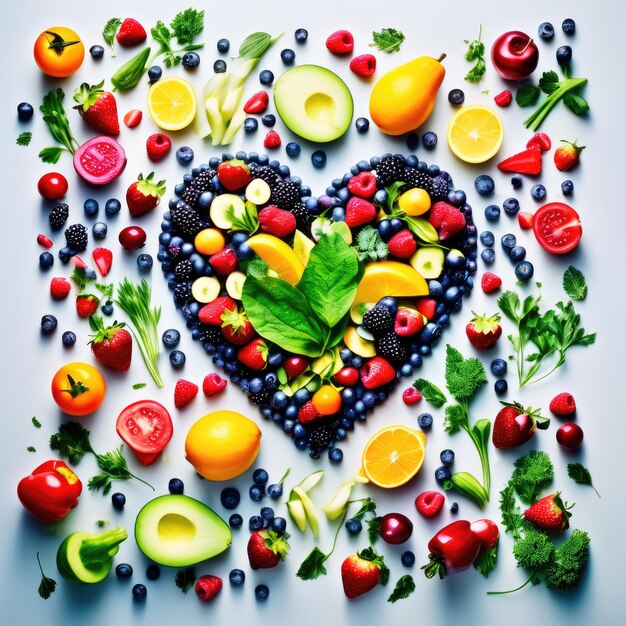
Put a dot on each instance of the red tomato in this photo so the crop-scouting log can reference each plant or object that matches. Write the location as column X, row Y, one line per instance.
column 570, row 435
column 52, row 186
column 557, row 227
column 132, row 237
column 487, row 532
column 146, row 427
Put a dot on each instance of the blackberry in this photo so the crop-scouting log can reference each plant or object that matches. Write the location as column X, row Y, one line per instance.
column 182, row 293
column 267, row 174
column 200, row 184
column 186, row 221
column 286, row 194
column 378, row 320
column 321, row 437
column 416, row 178
column 390, row 169
column 173, row 251
column 212, row 334
column 58, row 216
column 390, row 347
column 439, row 188
column 259, row 397
column 183, row 270
column 76, row 237
column 303, row 217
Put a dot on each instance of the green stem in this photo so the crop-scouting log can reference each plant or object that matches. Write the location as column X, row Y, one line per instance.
column 500, row 593
column 141, row 480
column 96, row 549
column 569, row 84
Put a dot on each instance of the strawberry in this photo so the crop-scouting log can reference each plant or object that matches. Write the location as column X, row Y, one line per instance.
column 483, row 331
column 541, row 141
column 111, row 345
column 526, row 162
column 103, row 258
column 364, row 65
column 402, row 245
column 411, row 396
column 525, row 220
column 549, row 513
column 515, row 425
column 86, row 305
column 184, row 393
column 212, row 312
column 308, row 413
column 59, row 288
column 257, row 103
column 567, row 156
column 133, row 118
column 359, row 212
column 408, row 322
column 78, row 262
column 563, row 404
column 277, row 222
column 254, row 354
column 233, row 175
column 266, row 549
column 144, row 194
column 429, row 503
column 361, row 572
column 224, row 262
column 45, row 241
column 446, row 219
column 236, row 327
column 427, row 307
column 207, row 587
column 295, row 365
column 490, row 282
column 131, row 33
column 272, row 140
column 346, row 377
column 377, row 372
column 340, row 42
column 157, row 146
column 213, row 384
column 363, row 185
column 98, row 108
column 503, row 99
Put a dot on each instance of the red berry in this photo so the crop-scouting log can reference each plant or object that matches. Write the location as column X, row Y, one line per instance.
column 184, row 393
column 426, row 306
column 503, row 99
column 570, row 435
column 429, row 503
column 133, row 117
column 45, row 241
column 402, row 245
column 132, row 237
column 347, row 377
column 103, row 258
column 272, row 140
column 364, row 65
column 207, row 587
column 213, row 384
column 78, row 262
column 59, row 288
column 359, row 212
column 377, row 372
column 52, row 186
column 541, row 141
column 277, row 222
column 224, row 262
column 363, row 185
column 525, row 220
column 563, row 404
column 257, row 103
column 490, row 282
column 340, row 42
column 295, row 365
column 157, row 146
column 408, row 322
column 308, row 413
column 131, row 33
column 411, row 396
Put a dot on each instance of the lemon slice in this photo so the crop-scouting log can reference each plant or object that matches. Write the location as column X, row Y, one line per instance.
column 390, row 278
column 279, row 256
column 475, row 133
column 172, row 103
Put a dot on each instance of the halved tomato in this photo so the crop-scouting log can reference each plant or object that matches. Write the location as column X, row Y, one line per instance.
column 557, row 227
column 146, row 427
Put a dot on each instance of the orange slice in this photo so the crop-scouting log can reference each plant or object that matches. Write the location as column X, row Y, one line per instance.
column 172, row 103
column 475, row 133
column 390, row 278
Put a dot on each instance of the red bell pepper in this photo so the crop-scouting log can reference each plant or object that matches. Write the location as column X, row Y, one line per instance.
column 453, row 549
column 50, row 492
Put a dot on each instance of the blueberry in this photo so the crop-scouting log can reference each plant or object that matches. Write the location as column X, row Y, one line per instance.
column 96, row 52
column 46, row 260
column 301, row 35
column 564, row 55
column 250, row 125
column 390, row 303
column 546, row 31
column 191, row 60
column 277, row 524
column 484, row 185
column 260, row 476
column 456, row 96
column 569, row 26
column 118, row 500
column 266, row 77
column 516, row 182
column 170, row 338
column 219, row 67
column 24, row 111
column 429, row 140
column 153, row 572
column 112, row 207
column 268, row 120
column 492, row 213
column 424, row 420
column 517, row 253
column 48, row 324
column 236, row 576
column 68, row 338
column 140, row 592
column 443, row 473
column 235, row 520
column 99, row 230
column 335, row 456
column 177, row 359
column 447, row 457
column 508, row 242
column 353, row 526
column 176, row 485
column 407, row 558
column 396, row 225
column 511, row 206
column 154, row 73
column 498, row 367
column 292, row 148
column 144, row 262
column 91, row 207
column 454, row 508
column 255, row 522
column 184, row 155
column 500, row 386
column 538, row 192
column 524, row 270
column 267, row 513
column 362, row 125
column 275, row 490
column 223, row 45
column 262, row 592
column 412, row 141
column 318, row 159
column 107, row 308
column 230, row 498
column 256, row 493
column 123, row 571
column 487, row 238
column 288, row 56
column 567, row 187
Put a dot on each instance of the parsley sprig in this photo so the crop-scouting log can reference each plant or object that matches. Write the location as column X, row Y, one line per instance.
column 56, row 119
column 23, row 139
column 476, row 52
column 387, row 40
column 47, row 585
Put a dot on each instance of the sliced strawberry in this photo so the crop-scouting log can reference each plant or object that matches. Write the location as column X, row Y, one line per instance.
column 525, row 220
column 78, row 262
column 503, row 99
column 45, row 241
column 59, row 288
column 541, row 141
column 103, row 258
column 133, row 118
column 427, row 307
column 526, row 162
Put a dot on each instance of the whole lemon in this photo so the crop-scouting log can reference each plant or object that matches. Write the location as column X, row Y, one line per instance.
column 222, row 445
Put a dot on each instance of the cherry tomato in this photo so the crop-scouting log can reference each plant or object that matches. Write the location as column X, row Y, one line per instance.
column 132, row 237
column 327, row 400
column 146, row 427
column 557, row 227
column 58, row 51
column 395, row 528
column 52, row 186
column 488, row 533
column 570, row 435
column 78, row 388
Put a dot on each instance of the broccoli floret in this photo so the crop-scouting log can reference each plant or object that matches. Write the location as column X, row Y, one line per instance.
column 533, row 472
column 569, row 561
column 534, row 550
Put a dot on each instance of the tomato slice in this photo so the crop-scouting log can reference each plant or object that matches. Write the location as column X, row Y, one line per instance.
column 146, row 427
column 557, row 227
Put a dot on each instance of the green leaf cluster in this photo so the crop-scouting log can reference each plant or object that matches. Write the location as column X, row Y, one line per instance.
column 476, row 52
column 387, row 40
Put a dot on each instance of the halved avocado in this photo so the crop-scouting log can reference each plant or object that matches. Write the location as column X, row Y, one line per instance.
column 180, row 531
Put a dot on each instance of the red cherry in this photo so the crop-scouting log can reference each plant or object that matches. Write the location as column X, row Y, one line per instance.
column 52, row 186
column 132, row 237
column 295, row 365
column 395, row 528
column 347, row 376
column 570, row 435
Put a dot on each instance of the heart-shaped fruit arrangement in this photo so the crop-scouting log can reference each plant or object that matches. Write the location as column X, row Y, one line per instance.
column 316, row 307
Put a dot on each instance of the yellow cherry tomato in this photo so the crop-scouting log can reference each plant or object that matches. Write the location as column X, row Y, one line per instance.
column 414, row 202
column 327, row 400
column 209, row 241
column 59, row 51
column 78, row 388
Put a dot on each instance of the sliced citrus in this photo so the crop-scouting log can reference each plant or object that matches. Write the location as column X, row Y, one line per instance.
column 393, row 456
column 279, row 256
column 475, row 133
column 390, row 278
column 172, row 103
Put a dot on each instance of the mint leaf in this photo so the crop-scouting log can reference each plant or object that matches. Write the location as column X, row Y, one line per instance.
column 575, row 103
column 574, row 283
column 47, row 585
column 431, row 393
column 581, row 475
column 368, row 506
column 36, row 422
column 185, row 579
column 527, row 95
column 313, row 566
column 110, row 30
column 403, row 589
column 549, row 82
column 51, row 154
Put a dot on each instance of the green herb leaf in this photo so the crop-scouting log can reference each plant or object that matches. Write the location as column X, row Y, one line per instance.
column 71, row 442
column 36, row 422
column 575, row 103
column 23, row 139
column 370, row 245
column 574, row 283
column 581, row 475
column 533, row 473
column 139, row 386
column 387, row 40
column 373, row 527
column 101, row 523
column 110, row 30
column 463, row 376
column 187, row 25
column 31, row 449
column 431, row 393
column 455, row 419
column 113, row 466
column 403, row 589
column 549, row 82
column 255, row 267
column 476, row 52
column 313, row 566
column 51, row 154
column 47, row 585
column 106, row 290
column 368, row 506
column 254, row 46
column 512, row 519
column 185, row 578
column 369, row 555
column 56, row 119
column 527, row 95
column 486, row 561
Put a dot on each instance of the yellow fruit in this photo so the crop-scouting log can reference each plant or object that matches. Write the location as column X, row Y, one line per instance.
column 475, row 133
column 393, row 456
column 302, row 245
column 358, row 345
column 327, row 400
column 403, row 99
column 222, row 445
column 209, row 241
column 390, row 278
column 414, row 202
column 172, row 103
column 279, row 256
